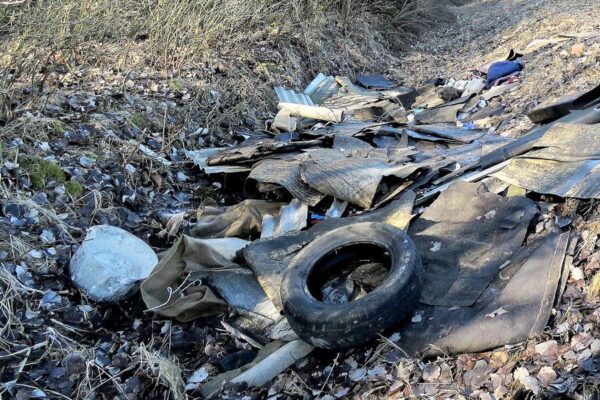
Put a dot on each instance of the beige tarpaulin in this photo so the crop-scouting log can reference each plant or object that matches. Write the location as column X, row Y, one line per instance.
column 181, row 285
column 241, row 220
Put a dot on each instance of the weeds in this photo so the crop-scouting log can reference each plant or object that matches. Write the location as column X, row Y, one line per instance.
column 41, row 171
column 74, row 188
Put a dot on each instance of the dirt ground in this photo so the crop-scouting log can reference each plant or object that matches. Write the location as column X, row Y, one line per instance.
column 56, row 343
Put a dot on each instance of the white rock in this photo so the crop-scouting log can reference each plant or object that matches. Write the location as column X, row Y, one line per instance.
column 110, row 262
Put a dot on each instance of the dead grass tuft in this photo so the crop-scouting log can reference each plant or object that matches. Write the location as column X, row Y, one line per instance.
column 165, row 370
column 593, row 290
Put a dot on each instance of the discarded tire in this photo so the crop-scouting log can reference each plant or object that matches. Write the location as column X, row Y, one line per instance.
column 356, row 322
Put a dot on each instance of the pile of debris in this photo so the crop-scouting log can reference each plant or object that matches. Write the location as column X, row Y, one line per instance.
column 344, row 169
column 365, row 211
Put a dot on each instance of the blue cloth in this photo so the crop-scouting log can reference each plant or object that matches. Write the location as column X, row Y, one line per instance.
column 502, row 68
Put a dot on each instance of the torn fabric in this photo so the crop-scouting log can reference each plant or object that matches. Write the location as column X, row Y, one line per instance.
column 183, row 283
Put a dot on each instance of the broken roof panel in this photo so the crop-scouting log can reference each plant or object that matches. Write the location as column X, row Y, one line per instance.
column 321, row 88
column 375, row 81
column 565, row 162
column 289, row 96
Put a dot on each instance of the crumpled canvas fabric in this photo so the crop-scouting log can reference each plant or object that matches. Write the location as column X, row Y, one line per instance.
column 241, row 220
column 171, row 289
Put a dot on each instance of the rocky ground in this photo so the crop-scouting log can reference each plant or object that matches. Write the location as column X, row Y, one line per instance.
column 106, row 147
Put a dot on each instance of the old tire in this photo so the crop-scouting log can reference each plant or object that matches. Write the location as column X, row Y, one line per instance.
column 334, row 326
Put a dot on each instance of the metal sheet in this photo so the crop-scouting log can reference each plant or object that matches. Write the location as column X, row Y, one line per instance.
column 375, row 82
column 289, row 96
column 321, row 88
column 200, row 158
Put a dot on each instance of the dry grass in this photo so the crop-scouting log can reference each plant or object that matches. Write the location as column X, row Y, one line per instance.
column 240, row 48
column 593, row 290
column 164, row 370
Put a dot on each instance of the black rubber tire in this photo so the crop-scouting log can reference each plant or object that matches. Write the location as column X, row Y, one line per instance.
column 335, row 326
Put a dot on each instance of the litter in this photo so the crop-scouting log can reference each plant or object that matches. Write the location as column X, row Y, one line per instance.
column 184, row 282
column 110, row 263
column 502, row 69
column 459, row 273
column 269, row 362
column 474, row 87
column 564, row 162
column 292, row 217
column 242, row 220
column 527, row 288
column 200, row 158
column 321, row 88
column 472, row 247
column 551, row 111
column 284, row 121
column 375, row 82
column 336, row 253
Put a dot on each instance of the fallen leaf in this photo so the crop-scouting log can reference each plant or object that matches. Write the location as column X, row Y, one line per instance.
column 498, row 359
column 546, row 376
column 547, row 350
column 431, row 372
column 357, row 374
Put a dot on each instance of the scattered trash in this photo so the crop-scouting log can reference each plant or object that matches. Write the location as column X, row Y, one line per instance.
column 563, row 163
column 471, row 247
column 374, row 82
column 110, row 263
column 363, row 208
column 502, row 69
column 242, row 220
column 270, row 362
column 184, row 282
column 292, row 217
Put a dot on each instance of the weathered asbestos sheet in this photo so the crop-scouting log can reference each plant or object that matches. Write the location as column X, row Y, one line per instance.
column 565, row 162
column 200, row 158
column 353, row 147
column 463, row 239
column 448, row 132
column 252, row 150
column 347, row 128
column 354, row 179
column 286, row 173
